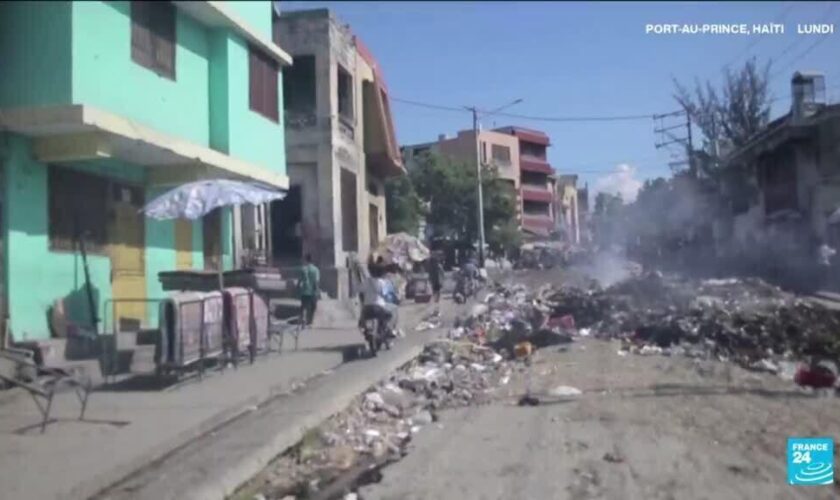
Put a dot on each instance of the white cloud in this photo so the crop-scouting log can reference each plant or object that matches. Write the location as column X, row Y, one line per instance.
column 622, row 181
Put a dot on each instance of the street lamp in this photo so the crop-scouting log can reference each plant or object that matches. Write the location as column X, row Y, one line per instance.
column 481, row 239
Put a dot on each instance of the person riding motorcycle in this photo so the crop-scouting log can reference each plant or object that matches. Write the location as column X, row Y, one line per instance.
column 379, row 302
column 466, row 281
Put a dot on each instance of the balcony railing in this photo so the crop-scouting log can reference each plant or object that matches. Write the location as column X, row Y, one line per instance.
column 538, row 223
column 536, row 194
column 533, row 164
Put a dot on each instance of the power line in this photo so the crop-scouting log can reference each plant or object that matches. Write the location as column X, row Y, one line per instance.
column 429, row 106
column 757, row 39
column 579, row 118
column 805, row 52
column 647, row 116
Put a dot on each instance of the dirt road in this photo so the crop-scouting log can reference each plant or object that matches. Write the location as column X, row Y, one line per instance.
column 646, row 427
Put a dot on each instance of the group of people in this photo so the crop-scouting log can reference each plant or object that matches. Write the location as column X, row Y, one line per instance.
column 379, row 295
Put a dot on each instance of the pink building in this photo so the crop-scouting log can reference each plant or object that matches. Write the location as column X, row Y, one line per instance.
column 536, row 181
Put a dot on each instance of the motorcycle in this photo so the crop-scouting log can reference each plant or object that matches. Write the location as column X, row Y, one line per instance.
column 377, row 333
column 465, row 287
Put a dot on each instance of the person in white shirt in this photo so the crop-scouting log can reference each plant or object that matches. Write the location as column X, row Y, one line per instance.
column 375, row 300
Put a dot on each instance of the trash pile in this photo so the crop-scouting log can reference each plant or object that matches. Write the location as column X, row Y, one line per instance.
column 514, row 322
column 377, row 428
column 745, row 320
column 402, row 249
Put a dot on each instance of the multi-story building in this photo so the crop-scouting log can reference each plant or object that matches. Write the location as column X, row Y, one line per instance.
column 519, row 156
column 566, row 207
column 340, row 145
column 495, row 149
column 103, row 105
column 536, row 180
column 584, row 214
column 783, row 185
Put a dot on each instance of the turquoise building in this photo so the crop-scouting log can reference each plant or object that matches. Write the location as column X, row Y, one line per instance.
column 103, row 105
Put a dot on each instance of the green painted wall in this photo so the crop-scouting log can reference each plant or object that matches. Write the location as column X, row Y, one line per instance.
column 256, row 14
column 34, row 53
column 105, row 76
column 84, row 49
column 234, row 128
column 37, row 276
column 252, row 136
column 219, row 91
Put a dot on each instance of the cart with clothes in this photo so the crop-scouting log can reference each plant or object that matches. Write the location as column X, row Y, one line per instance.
column 215, row 315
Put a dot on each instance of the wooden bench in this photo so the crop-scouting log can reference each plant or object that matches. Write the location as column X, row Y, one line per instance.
column 43, row 383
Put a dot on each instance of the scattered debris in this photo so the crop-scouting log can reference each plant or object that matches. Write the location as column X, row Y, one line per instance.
column 528, row 400
column 747, row 321
column 565, row 391
column 379, row 425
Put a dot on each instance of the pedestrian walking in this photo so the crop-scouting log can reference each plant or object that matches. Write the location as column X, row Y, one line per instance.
column 435, row 277
column 309, row 288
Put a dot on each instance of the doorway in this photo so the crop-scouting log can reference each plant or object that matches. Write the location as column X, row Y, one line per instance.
column 373, row 215
column 127, row 249
column 212, row 228
column 183, row 244
column 349, row 212
column 287, row 228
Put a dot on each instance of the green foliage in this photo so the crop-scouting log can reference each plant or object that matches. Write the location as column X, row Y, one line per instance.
column 506, row 238
column 608, row 204
column 449, row 188
column 403, row 205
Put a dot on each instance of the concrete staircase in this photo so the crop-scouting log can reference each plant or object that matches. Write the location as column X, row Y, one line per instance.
column 134, row 353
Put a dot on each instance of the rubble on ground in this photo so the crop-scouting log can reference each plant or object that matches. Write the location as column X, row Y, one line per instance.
column 380, row 423
column 745, row 320
column 748, row 321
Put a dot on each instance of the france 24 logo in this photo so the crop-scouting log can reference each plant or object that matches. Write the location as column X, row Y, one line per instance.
column 810, row 461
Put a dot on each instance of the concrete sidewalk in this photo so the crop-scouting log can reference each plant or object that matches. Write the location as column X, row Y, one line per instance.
column 124, row 430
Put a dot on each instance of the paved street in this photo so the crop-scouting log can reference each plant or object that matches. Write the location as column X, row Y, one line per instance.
column 645, row 427
column 126, row 429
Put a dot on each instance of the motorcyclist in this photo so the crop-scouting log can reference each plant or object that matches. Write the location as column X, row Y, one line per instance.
column 379, row 300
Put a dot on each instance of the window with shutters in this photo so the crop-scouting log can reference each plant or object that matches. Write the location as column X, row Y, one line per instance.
column 77, row 203
column 262, row 84
column 153, row 36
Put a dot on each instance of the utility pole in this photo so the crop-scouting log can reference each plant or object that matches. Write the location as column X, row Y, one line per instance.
column 480, row 188
column 692, row 168
column 481, row 238
column 667, row 138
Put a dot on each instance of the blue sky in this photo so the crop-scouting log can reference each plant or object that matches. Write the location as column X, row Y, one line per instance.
column 575, row 59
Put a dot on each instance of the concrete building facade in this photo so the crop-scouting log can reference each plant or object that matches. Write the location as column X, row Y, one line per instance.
column 496, row 149
column 104, row 105
column 340, row 147
column 536, row 180
column 791, row 169
column 566, row 207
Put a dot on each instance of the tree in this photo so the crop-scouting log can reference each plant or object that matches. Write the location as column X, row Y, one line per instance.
column 729, row 117
column 449, row 187
column 403, row 205
column 608, row 203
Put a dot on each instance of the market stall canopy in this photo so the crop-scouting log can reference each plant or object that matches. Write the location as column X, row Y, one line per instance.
column 196, row 199
column 402, row 249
